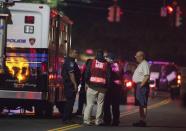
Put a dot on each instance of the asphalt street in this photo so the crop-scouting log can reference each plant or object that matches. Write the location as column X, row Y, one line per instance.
column 164, row 114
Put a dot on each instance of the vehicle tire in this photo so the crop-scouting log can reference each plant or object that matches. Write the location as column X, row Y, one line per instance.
column 184, row 100
column 60, row 106
column 1, row 110
column 44, row 110
column 48, row 110
column 39, row 111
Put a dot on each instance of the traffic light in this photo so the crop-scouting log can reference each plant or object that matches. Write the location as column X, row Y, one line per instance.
column 111, row 12
column 114, row 14
column 170, row 9
column 166, row 10
column 178, row 21
column 118, row 14
column 173, row 11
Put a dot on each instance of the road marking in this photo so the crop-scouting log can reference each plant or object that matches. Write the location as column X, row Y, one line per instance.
column 159, row 104
column 70, row 128
column 75, row 126
column 65, row 127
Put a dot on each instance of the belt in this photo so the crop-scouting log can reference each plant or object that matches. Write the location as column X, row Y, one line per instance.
column 147, row 84
column 137, row 83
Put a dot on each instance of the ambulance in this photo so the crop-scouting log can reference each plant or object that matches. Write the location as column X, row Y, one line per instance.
column 38, row 38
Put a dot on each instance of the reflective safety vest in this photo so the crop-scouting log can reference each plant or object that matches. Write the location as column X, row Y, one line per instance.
column 98, row 80
column 98, row 72
column 117, row 73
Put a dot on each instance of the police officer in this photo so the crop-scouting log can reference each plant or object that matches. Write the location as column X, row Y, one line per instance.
column 184, row 99
column 97, row 76
column 112, row 97
column 82, row 92
column 71, row 78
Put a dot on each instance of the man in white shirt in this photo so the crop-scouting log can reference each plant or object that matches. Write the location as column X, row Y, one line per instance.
column 141, row 77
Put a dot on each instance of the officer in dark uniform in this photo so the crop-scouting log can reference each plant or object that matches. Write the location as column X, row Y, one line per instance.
column 184, row 99
column 113, row 96
column 82, row 92
column 71, row 78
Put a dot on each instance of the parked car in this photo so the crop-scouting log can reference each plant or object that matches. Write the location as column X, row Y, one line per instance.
column 165, row 77
column 128, row 88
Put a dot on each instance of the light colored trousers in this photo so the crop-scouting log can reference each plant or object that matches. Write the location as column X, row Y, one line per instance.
column 92, row 96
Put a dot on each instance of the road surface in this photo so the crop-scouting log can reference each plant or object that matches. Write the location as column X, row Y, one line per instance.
column 164, row 114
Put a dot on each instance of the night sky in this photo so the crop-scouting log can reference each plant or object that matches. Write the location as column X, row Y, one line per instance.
column 141, row 28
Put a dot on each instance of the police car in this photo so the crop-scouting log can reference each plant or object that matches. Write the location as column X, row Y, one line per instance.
column 128, row 90
column 165, row 77
column 37, row 41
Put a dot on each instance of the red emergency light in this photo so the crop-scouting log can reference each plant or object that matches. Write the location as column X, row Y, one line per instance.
column 89, row 52
column 29, row 19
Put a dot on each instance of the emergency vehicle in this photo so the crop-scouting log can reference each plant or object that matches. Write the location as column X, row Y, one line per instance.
column 183, row 84
column 37, row 41
column 166, row 76
column 129, row 85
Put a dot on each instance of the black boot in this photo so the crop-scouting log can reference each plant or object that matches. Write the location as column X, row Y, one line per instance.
column 140, row 124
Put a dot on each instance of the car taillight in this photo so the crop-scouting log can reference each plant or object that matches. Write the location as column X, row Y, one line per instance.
column 50, row 76
column 152, row 85
column 129, row 84
column 179, row 79
column 29, row 19
column 53, row 76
